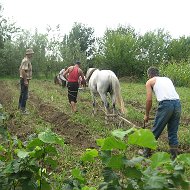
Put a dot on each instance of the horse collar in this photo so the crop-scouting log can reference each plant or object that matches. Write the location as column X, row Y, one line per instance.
column 90, row 74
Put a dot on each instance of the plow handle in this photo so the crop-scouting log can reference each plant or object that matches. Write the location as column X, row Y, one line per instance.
column 144, row 122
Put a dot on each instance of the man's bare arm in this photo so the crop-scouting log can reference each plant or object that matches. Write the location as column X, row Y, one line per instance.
column 148, row 99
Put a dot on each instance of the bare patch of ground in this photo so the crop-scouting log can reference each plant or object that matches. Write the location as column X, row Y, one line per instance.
column 74, row 134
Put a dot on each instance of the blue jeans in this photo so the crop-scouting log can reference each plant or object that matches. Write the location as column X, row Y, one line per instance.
column 23, row 95
column 168, row 113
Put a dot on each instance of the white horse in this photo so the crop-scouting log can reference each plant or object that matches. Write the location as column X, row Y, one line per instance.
column 102, row 82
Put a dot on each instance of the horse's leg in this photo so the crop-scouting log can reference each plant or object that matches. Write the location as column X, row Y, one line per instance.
column 113, row 102
column 93, row 104
column 104, row 99
column 106, row 105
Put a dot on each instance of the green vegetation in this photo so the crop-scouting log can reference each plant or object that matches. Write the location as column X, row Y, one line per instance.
column 27, row 165
column 50, row 110
column 30, row 145
column 123, row 50
column 121, row 172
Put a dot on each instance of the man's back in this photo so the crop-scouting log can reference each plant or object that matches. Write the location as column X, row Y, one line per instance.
column 164, row 89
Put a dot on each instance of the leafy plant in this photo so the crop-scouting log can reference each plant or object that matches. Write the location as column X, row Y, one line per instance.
column 28, row 165
column 123, row 173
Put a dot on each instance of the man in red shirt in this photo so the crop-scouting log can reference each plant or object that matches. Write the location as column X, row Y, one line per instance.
column 72, row 75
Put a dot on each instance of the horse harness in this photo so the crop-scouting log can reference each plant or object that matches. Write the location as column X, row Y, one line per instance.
column 110, row 89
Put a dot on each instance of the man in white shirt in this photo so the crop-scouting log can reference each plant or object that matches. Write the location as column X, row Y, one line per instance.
column 169, row 108
column 62, row 78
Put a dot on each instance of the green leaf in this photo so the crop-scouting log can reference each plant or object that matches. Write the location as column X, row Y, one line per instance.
column 38, row 152
column 76, row 173
column 159, row 159
column 45, row 185
column 109, row 175
column 180, row 180
column 133, row 172
column 29, row 185
column 184, row 158
column 22, row 153
column 100, row 142
column 121, row 134
column 144, row 138
column 50, row 137
column 2, row 149
column 9, row 168
column 89, row 155
column 51, row 150
column 134, row 161
column 155, row 182
column 115, row 162
column 113, row 143
column 49, row 161
column 35, row 142
column 105, row 156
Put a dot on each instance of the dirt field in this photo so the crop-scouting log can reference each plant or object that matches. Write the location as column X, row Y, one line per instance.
column 73, row 133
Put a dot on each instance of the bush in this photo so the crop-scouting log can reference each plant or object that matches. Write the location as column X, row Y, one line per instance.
column 178, row 72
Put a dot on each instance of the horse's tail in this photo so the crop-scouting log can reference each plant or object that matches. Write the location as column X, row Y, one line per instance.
column 117, row 92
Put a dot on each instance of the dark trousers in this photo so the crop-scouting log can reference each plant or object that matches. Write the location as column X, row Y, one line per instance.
column 168, row 113
column 72, row 91
column 23, row 95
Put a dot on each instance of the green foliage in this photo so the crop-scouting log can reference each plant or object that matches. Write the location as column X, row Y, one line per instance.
column 153, row 47
column 179, row 49
column 144, row 138
column 119, row 172
column 24, row 165
column 178, row 72
column 120, row 51
column 90, row 155
column 78, row 45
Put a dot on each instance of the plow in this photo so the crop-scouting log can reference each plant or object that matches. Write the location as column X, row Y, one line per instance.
column 123, row 120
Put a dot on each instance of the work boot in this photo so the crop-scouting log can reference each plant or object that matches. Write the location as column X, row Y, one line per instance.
column 173, row 152
column 25, row 112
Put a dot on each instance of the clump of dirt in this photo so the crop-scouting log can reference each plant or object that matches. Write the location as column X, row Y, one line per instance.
column 75, row 134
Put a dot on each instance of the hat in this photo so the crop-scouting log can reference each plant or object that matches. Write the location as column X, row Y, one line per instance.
column 77, row 62
column 29, row 51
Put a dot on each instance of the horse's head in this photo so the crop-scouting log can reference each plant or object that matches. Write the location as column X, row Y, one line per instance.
column 89, row 73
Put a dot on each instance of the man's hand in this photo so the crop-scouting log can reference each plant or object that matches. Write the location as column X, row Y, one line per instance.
column 83, row 82
column 26, row 82
column 146, row 118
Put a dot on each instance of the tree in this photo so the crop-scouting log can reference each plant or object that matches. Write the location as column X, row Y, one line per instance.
column 179, row 49
column 120, row 51
column 153, row 47
column 78, row 45
column 8, row 31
